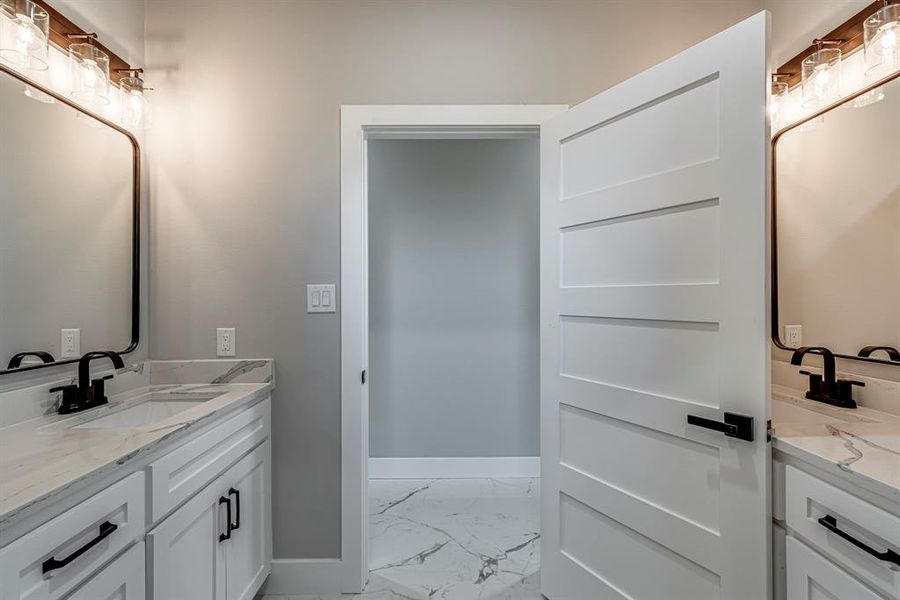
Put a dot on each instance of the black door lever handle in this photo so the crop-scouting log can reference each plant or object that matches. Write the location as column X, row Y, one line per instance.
column 736, row 426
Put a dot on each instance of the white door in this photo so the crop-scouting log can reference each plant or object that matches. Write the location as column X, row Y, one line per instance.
column 123, row 579
column 248, row 554
column 187, row 550
column 654, row 307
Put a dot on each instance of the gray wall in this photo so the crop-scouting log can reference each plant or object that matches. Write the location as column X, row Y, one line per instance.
column 453, row 298
column 245, row 168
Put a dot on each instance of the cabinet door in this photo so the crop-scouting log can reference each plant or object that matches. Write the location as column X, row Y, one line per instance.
column 813, row 577
column 248, row 554
column 123, row 579
column 186, row 554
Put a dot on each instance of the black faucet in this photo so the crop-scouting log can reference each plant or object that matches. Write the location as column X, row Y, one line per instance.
column 892, row 353
column 87, row 393
column 16, row 361
column 826, row 387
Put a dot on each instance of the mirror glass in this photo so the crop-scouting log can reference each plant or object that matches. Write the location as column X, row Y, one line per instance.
column 837, row 192
column 66, row 223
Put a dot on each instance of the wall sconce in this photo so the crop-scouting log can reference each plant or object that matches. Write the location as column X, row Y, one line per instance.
column 821, row 74
column 89, row 71
column 24, row 34
column 777, row 100
column 135, row 108
column 882, row 38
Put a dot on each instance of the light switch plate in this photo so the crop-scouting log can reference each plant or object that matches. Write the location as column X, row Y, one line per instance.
column 69, row 343
column 320, row 298
column 225, row 342
column 793, row 336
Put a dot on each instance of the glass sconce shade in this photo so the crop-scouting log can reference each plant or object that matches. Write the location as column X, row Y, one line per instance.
column 882, row 38
column 24, row 34
column 777, row 103
column 135, row 108
column 89, row 70
column 821, row 77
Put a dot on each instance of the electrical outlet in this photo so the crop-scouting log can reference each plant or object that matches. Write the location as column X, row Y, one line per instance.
column 70, row 343
column 793, row 336
column 320, row 298
column 225, row 342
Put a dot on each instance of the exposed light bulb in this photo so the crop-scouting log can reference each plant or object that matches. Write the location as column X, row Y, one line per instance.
column 89, row 74
column 888, row 35
column 24, row 33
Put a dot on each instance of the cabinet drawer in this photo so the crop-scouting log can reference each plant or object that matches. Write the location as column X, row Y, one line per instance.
column 122, row 579
column 183, row 472
column 812, row 577
column 50, row 561
column 812, row 505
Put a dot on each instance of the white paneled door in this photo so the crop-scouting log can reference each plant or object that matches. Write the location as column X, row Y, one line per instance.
column 654, row 308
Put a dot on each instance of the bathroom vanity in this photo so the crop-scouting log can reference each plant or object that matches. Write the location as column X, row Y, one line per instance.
column 836, row 500
column 162, row 493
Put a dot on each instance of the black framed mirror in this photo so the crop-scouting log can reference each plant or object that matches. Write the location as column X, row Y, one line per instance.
column 836, row 227
column 70, row 223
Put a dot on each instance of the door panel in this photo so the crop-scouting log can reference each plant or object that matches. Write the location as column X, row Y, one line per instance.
column 248, row 554
column 654, row 306
column 186, row 556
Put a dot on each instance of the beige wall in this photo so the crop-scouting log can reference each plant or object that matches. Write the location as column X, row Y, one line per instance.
column 795, row 23
column 244, row 168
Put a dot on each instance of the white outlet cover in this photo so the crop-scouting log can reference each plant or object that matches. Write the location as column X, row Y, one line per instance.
column 320, row 298
column 225, row 342
column 69, row 343
column 793, row 336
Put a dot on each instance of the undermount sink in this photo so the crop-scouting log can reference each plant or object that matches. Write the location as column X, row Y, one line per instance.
column 155, row 408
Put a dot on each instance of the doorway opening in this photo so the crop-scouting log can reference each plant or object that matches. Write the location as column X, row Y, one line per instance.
column 440, row 351
column 453, row 366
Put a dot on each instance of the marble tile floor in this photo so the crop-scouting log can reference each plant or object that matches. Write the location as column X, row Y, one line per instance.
column 451, row 539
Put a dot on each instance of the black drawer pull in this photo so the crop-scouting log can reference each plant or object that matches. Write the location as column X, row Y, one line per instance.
column 51, row 564
column 237, row 508
column 830, row 523
column 227, row 534
column 736, row 426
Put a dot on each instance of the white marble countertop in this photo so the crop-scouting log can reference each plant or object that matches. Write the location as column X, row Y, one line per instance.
column 863, row 444
column 41, row 458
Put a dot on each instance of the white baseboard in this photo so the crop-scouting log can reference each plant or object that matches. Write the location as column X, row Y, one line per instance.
column 454, row 468
column 303, row 576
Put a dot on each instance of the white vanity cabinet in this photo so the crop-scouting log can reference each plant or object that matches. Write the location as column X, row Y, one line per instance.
column 218, row 545
column 123, row 579
column 190, row 521
column 841, row 542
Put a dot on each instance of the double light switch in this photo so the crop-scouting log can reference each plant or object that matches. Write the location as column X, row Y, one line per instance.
column 320, row 298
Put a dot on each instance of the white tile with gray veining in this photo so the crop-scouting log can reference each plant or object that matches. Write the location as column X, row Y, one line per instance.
column 451, row 539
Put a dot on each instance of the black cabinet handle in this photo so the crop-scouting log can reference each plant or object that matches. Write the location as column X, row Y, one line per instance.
column 736, row 426
column 227, row 534
column 237, row 508
column 51, row 564
column 830, row 523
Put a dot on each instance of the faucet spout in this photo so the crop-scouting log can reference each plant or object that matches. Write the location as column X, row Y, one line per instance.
column 85, row 386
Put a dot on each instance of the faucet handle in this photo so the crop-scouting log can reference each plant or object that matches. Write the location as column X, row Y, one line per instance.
column 98, row 390
column 845, row 391
column 69, row 402
column 815, row 382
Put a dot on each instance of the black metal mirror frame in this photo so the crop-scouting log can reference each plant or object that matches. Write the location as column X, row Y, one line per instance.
column 776, row 328
column 136, row 223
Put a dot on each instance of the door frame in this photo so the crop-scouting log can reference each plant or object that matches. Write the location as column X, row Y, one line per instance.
column 359, row 124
